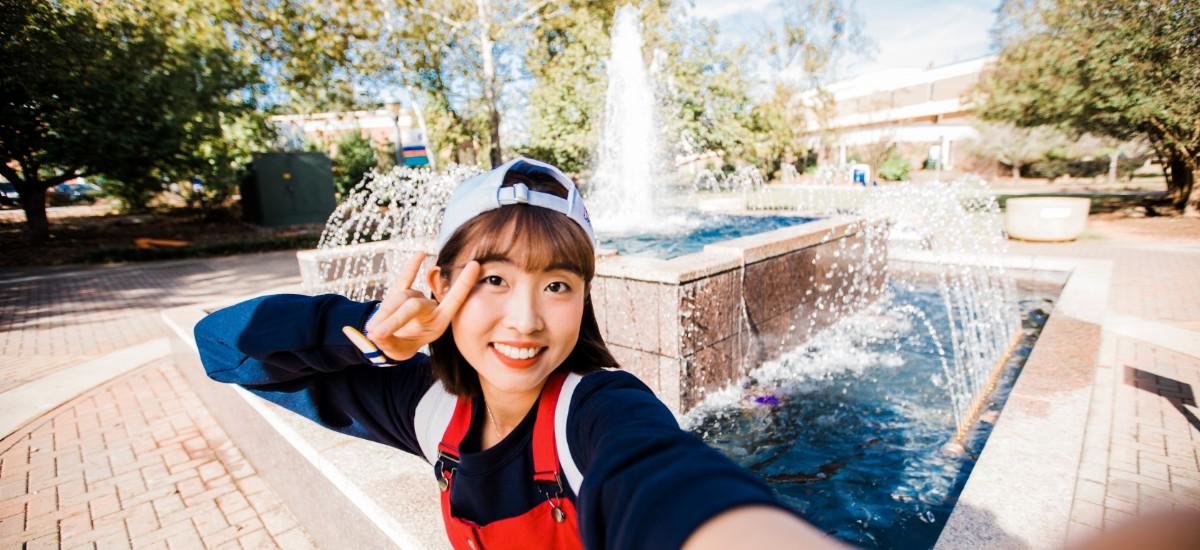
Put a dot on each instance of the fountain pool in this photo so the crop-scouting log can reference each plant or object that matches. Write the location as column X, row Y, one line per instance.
column 692, row 231
column 854, row 429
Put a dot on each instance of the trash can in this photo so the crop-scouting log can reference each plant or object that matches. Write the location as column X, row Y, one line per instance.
column 289, row 188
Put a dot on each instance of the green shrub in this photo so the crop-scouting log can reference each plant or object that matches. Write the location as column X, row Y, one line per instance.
column 355, row 157
column 894, row 168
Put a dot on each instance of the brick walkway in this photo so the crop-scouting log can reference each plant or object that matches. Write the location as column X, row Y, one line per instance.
column 1142, row 441
column 137, row 462
column 53, row 318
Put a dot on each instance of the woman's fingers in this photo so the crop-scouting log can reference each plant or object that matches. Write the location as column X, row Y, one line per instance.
column 409, row 273
column 405, row 313
column 401, row 287
column 458, row 294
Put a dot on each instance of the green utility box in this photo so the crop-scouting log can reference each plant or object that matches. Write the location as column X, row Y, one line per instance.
column 289, row 188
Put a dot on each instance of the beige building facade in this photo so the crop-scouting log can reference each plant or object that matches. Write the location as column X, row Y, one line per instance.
column 926, row 113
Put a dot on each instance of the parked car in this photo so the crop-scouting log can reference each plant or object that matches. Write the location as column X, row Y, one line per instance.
column 75, row 192
column 9, row 195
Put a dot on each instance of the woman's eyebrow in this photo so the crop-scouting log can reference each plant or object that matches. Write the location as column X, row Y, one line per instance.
column 493, row 257
column 562, row 266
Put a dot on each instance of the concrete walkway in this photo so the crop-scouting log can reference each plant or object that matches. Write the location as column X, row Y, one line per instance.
column 103, row 443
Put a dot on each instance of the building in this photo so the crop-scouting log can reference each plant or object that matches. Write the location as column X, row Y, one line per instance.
column 392, row 129
column 926, row 113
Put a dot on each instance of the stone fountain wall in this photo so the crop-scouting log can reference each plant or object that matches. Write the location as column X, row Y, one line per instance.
column 692, row 324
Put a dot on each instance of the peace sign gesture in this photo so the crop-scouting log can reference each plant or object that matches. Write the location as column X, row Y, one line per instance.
column 406, row 319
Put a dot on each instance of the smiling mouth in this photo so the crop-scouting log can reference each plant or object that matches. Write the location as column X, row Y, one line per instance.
column 516, row 357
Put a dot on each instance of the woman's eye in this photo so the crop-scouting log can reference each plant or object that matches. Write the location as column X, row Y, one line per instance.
column 493, row 280
column 558, row 287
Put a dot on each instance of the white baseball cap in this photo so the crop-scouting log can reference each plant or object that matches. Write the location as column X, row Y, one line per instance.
column 482, row 193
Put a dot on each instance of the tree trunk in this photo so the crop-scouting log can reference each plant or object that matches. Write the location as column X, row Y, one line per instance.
column 34, row 205
column 489, row 81
column 1113, row 159
column 1192, row 192
column 1179, row 186
column 1016, row 172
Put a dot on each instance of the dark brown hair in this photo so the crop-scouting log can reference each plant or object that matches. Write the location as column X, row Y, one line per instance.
column 537, row 239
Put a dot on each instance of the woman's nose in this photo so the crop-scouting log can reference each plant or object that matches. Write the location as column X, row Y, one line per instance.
column 524, row 314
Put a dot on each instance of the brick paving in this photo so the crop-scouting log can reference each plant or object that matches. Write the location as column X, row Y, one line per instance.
column 51, row 319
column 1142, row 441
column 138, row 462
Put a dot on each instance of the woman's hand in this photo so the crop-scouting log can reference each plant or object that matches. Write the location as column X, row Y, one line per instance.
column 407, row 320
column 753, row 527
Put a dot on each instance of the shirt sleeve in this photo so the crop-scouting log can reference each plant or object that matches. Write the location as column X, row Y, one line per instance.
column 290, row 350
column 646, row 482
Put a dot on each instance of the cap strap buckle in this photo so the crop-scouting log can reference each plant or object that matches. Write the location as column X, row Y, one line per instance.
column 521, row 193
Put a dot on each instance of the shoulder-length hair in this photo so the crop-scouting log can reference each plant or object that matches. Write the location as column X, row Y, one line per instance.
column 536, row 239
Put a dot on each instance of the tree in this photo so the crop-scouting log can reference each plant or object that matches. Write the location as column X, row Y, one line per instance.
column 1107, row 67
column 566, row 59
column 355, row 157
column 463, row 54
column 106, row 92
column 801, row 47
column 1012, row 145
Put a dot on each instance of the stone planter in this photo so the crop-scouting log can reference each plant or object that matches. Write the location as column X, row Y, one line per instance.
column 1046, row 218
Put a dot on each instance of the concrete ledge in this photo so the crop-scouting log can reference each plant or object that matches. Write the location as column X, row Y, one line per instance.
column 347, row 492
column 1020, row 492
column 30, row 401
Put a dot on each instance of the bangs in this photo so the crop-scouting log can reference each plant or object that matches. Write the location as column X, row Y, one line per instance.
column 534, row 238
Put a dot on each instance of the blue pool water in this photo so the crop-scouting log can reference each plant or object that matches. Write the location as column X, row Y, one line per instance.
column 684, row 233
column 852, row 430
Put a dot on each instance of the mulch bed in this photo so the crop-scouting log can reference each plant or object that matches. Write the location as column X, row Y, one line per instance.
column 100, row 235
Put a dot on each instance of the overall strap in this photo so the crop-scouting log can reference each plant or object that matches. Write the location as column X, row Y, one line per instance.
column 460, row 422
column 545, row 450
column 565, row 459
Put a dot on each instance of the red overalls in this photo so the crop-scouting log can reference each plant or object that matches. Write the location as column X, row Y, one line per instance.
column 551, row 524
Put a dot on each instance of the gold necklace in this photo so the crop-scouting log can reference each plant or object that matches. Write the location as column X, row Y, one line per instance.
column 495, row 425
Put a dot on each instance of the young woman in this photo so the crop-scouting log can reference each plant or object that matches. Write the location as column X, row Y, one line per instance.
column 536, row 440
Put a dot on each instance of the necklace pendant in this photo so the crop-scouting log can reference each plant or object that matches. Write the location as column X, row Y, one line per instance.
column 558, row 515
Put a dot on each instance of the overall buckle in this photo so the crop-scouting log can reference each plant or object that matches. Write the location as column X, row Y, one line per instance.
column 556, row 510
column 443, row 472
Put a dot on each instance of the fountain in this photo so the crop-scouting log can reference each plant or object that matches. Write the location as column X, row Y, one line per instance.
column 884, row 310
column 622, row 197
column 856, row 361
column 689, row 278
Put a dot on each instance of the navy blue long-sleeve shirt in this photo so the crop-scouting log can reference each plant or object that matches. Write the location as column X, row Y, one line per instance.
column 646, row 482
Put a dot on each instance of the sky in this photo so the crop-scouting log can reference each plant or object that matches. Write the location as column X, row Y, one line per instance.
column 906, row 33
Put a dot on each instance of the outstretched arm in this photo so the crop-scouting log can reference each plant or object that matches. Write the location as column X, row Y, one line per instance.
column 290, row 350
column 756, row 527
column 649, row 484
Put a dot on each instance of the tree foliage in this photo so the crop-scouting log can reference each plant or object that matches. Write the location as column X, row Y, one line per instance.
column 802, row 46
column 1015, row 146
column 1107, row 67
column 703, row 100
column 131, row 92
column 355, row 157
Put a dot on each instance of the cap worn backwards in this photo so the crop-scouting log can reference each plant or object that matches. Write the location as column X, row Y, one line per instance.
column 483, row 192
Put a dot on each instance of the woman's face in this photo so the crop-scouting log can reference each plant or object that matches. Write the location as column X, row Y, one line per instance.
column 517, row 326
